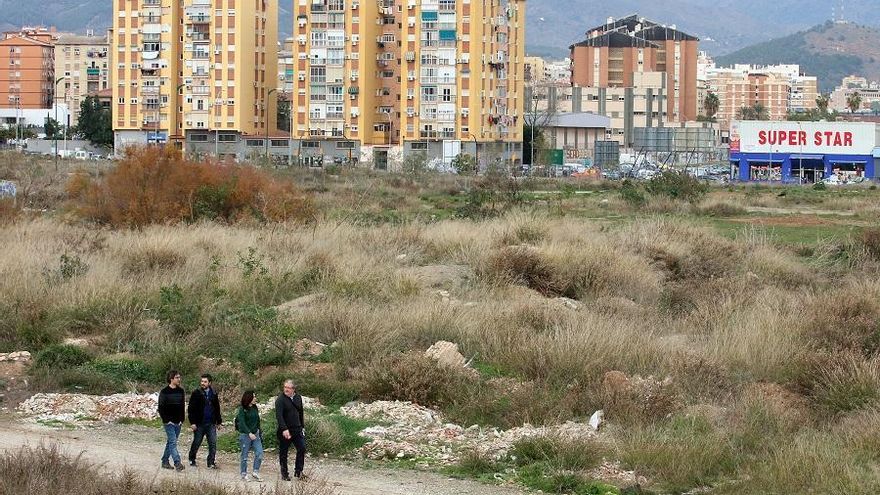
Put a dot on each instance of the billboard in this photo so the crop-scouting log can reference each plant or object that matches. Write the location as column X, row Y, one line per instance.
column 823, row 138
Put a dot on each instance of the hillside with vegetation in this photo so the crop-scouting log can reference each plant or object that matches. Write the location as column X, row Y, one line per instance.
column 830, row 52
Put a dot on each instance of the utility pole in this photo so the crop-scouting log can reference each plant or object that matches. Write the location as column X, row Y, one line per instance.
column 266, row 120
column 476, row 154
column 54, row 129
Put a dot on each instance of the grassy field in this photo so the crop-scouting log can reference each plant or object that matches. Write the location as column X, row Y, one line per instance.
column 756, row 309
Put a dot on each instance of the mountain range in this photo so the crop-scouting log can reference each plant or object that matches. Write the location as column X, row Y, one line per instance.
column 724, row 26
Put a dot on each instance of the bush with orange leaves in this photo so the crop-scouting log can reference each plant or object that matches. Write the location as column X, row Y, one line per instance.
column 158, row 185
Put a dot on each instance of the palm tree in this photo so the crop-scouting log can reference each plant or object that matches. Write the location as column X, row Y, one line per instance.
column 822, row 102
column 711, row 105
column 761, row 112
column 745, row 113
column 854, row 102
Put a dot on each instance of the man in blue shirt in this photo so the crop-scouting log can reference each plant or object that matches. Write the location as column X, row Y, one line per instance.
column 204, row 416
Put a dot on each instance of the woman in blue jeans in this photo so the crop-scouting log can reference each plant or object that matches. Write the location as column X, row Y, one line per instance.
column 247, row 422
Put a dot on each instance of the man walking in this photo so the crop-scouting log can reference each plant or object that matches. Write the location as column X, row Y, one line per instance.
column 291, row 429
column 172, row 403
column 204, row 416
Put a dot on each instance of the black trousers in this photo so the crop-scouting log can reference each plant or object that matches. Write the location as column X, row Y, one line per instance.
column 299, row 443
column 204, row 431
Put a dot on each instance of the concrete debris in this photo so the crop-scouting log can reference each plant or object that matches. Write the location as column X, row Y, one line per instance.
column 446, row 353
column 411, row 431
column 76, row 342
column 569, row 303
column 306, row 347
column 612, row 472
column 80, row 407
column 596, row 419
column 15, row 357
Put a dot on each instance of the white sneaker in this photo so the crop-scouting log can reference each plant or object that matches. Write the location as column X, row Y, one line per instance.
column 244, row 477
column 256, row 477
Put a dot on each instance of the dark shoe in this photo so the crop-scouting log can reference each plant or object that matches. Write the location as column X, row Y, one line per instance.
column 167, row 465
column 212, row 466
column 285, row 478
column 301, row 476
column 179, row 467
column 192, row 463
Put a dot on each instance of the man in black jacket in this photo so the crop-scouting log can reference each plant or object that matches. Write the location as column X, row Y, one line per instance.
column 291, row 429
column 172, row 403
column 204, row 416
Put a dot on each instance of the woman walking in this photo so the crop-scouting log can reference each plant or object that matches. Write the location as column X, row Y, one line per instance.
column 247, row 422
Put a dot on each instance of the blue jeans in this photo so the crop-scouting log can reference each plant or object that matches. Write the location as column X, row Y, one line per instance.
column 201, row 432
column 172, row 431
column 246, row 445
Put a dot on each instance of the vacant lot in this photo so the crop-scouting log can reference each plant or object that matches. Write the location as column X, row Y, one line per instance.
column 731, row 336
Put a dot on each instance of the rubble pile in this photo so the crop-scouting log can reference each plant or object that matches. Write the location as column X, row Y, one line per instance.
column 411, row 431
column 15, row 357
column 78, row 407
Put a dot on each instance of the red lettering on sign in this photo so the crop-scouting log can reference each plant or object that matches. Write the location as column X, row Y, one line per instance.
column 817, row 139
column 847, row 139
column 838, row 140
column 762, row 137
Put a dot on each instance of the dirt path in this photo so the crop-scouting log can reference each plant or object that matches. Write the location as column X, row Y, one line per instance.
column 117, row 447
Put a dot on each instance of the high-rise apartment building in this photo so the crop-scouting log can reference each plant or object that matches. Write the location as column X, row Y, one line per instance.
column 616, row 51
column 27, row 68
column 397, row 76
column 203, row 71
column 84, row 63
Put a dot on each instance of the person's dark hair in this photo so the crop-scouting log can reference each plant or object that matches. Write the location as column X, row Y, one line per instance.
column 246, row 399
column 209, row 377
column 170, row 376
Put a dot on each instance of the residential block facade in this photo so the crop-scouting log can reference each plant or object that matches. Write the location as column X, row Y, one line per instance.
column 395, row 76
column 84, row 63
column 616, row 52
column 27, row 69
column 194, row 71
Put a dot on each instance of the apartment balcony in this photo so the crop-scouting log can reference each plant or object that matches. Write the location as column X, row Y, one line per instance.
column 429, row 134
column 437, row 80
column 149, row 90
column 151, row 3
column 200, row 90
column 198, row 17
column 198, row 36
column 200, row 55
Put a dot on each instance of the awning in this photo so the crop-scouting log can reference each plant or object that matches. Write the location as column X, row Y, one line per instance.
column 765, row 160
column 847, row 160
column 807, row 157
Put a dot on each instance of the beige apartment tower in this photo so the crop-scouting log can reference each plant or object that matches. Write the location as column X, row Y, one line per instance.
column 84, row 64
column 385, row 78
column 194, row 71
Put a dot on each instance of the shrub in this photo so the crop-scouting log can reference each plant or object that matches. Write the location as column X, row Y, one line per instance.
column 178, row 312
column 473, row 464
column 522, row 265
column 123, row 369
column 566, row 454
column 61, row 356
column 871, row 240
column 845, row 383
column 412, row 377
column 678, row 186
column 158, row 185
column 820, row 186
column 632, row 194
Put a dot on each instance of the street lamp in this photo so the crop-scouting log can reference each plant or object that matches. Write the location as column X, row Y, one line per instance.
column 532, row 130
column 266, row 120
column 55, row 131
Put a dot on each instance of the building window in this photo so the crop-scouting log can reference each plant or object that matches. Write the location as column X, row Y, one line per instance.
column 278, row 143
column 254, row 143
column 310, row 144
column 226, row 138
column 201, row 138
column 420, row 145
column 345, row 145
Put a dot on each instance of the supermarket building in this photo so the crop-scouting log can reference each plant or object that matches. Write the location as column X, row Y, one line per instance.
column 803, row 151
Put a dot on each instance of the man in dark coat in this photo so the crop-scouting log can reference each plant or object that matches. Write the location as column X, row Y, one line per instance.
column 291, row 429
column 172, row 406
column 204, row 416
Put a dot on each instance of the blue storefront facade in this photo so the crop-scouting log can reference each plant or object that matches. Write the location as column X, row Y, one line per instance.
column 803, row 152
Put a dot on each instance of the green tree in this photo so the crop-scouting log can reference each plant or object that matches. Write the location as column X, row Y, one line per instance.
column 711, row 105
column 854, row 102
column 94, row 122
column 283, row 114
column 51, row 128
column 464, row 164
column 822, row 102
column 754, row 112
column 415, row 163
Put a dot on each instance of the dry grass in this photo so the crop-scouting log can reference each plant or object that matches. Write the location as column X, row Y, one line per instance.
column 661, row 295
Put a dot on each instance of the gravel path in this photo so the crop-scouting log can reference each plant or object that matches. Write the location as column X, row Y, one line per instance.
column 116, row 447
